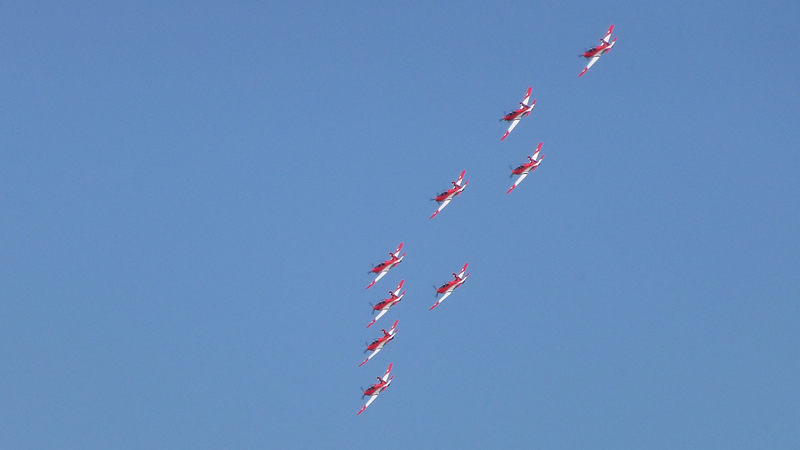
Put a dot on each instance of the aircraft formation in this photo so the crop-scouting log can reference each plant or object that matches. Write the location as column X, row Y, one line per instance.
column 443, row 199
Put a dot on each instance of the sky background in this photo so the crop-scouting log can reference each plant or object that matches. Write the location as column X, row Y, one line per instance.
column 193, row 193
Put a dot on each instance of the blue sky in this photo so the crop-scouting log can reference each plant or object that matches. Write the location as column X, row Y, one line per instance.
column 192, row 195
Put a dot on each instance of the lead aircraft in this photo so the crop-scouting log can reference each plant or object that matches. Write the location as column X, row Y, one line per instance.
column 375, row 390
column 524, row 169
column 450, row 286
column 594, row 53
column 384, row 305
column 447, row 196
column 383, row 268
column 523, row 111
column 377, row 345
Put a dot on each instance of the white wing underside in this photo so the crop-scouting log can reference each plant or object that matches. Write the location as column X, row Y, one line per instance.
column 377, row 350
column 444, row 203
column 371, row 399
column 380, row 314
column 592, row 61
column 514, row 124
column 521, row 177
column 445, row 295
column 380, row 275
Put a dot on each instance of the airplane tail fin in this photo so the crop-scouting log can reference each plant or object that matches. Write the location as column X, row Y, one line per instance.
column 611, row 44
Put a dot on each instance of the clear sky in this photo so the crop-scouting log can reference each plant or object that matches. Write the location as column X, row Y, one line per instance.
column 193, row 193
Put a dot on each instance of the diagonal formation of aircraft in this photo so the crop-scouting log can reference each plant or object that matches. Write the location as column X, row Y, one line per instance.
column 443, row 199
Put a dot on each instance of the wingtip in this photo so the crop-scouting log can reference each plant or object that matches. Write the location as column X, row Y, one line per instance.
column 510, row 189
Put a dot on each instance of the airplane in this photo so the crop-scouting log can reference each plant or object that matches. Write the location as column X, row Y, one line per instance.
column 375, row 390
column 450, row 286
column 447, row 196
column 383, row 268
column 523, row 111
column 524, row 169
column 384, row 305
column 594, row 53
column 377, row 345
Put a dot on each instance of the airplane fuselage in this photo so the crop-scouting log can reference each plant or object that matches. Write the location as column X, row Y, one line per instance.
column 450, row 193
column 514, row 114
column 379, row 343
column 386, row 304
column 449, row 286
column 600, row 49
column 524, row 168
column 376, row 388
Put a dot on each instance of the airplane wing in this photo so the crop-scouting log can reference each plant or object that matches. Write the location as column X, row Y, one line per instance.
column 380, row 275
column 463, row 269
column 608, row 34
column 519, row 180
column 446, row 294
column 370, row 356
column 591, row 63
column 374, row 396
column 461, row 177
column 441, row 207
column 511, row 127
column 380, row 314
column 388, row 370
column 527, row 96
column 399, row 286
column 536, row 153
column 369, row 402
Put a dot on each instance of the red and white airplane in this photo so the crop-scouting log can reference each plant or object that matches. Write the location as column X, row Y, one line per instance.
column 594, row 53
column 523, row 111
column 377, row 345
column 447, row 196
column 375, row 390
column 383, row 268
column 384, row 305
column 524, row 169
column 450, row 286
